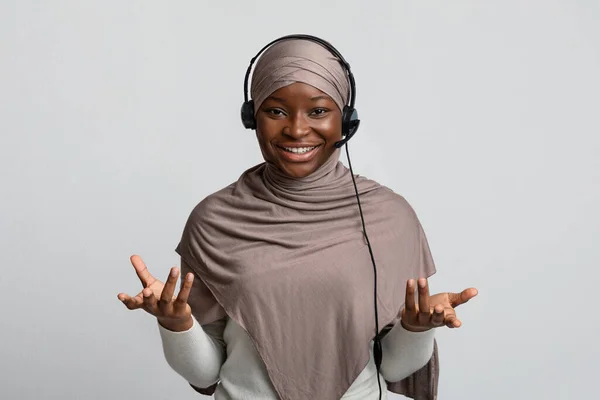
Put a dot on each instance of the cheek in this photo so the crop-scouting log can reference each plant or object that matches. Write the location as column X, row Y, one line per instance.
column 267, row 129
column 331, row 127
column 262, row 141
column 264, row 144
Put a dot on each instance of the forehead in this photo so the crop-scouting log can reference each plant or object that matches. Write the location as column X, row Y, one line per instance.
column 299, row 91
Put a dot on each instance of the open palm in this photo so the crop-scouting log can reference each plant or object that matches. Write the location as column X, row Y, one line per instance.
column 432, row 311
column 149, row 282
column 158, row 298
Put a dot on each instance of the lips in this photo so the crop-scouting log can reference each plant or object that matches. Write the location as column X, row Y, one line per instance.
column 298, row 153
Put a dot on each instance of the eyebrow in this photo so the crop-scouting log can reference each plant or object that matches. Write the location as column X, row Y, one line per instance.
column 278, row 99
column 321, row 97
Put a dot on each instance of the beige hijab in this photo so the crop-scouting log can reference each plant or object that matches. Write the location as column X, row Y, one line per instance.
column 286, row 259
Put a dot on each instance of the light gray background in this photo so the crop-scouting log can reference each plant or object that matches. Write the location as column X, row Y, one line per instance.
column 117, row 117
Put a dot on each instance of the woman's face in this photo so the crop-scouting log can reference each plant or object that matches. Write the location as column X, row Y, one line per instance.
column 297, row 127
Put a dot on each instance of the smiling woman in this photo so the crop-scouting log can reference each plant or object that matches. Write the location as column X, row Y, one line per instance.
column 284, row 295
column 297, row 128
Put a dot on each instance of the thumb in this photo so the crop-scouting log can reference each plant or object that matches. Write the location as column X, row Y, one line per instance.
column 141, row 270
column 456, row 299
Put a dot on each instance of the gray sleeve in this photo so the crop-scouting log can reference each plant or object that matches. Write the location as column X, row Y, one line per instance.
column 196, row 354
column 405, row 352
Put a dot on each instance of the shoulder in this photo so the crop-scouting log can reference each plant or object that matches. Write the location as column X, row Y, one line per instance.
column 223, row 201
column 211, row 204
column 400, row 209
column 388, row 202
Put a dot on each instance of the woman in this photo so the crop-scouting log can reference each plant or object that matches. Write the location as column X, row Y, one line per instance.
column 276, row 299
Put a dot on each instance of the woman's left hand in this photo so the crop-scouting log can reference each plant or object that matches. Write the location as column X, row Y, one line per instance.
column 432, row 311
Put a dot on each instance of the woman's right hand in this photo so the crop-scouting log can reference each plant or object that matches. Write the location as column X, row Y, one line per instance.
column 157, row 298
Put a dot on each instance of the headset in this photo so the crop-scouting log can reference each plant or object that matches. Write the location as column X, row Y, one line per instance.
column 350, row 123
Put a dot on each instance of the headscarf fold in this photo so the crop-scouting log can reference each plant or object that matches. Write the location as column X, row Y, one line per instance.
column 286, row 259
column 294, row 60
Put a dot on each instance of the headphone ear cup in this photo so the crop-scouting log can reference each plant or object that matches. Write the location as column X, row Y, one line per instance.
column 353, row 127
column 350, row 121
column 247, row 114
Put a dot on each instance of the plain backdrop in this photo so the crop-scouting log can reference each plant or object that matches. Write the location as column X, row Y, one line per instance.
column 118, row 117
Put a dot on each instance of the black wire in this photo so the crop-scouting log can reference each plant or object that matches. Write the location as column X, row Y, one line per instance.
column 377, row 350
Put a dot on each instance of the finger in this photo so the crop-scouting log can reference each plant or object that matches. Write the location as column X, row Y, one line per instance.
column 142, row 271
column 131, row 303
column 166, row 297
column 150, row 301
column 437, row 318
column 456, row 299
column 182, row 296
column 424, row 311
column 451, row 320
column 409, row 301
column 453, row 323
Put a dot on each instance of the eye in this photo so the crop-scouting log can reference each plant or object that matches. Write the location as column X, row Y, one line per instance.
column 319, row 112
column 275, row 112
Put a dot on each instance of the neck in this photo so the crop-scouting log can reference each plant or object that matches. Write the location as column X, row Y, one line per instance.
column 322, row 174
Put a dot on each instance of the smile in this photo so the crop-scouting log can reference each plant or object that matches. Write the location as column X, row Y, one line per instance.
column 298, row 154
column 298, row 150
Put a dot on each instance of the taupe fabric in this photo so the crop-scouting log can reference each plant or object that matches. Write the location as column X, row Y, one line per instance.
column 286, row 258
column 293, row 60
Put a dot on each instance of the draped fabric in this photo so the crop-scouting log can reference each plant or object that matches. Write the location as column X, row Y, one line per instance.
column 286, row 259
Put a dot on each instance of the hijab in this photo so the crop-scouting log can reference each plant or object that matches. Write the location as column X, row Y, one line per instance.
column 286, row 259
column 294, row 60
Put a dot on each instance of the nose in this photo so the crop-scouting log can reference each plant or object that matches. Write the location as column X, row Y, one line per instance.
column 297, row 127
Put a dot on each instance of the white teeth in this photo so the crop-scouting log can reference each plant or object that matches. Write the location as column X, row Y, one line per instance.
column 299, row 150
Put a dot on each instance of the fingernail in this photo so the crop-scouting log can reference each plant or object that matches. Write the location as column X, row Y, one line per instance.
column 422, row 283
column 189, row 277
column 174, row 272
